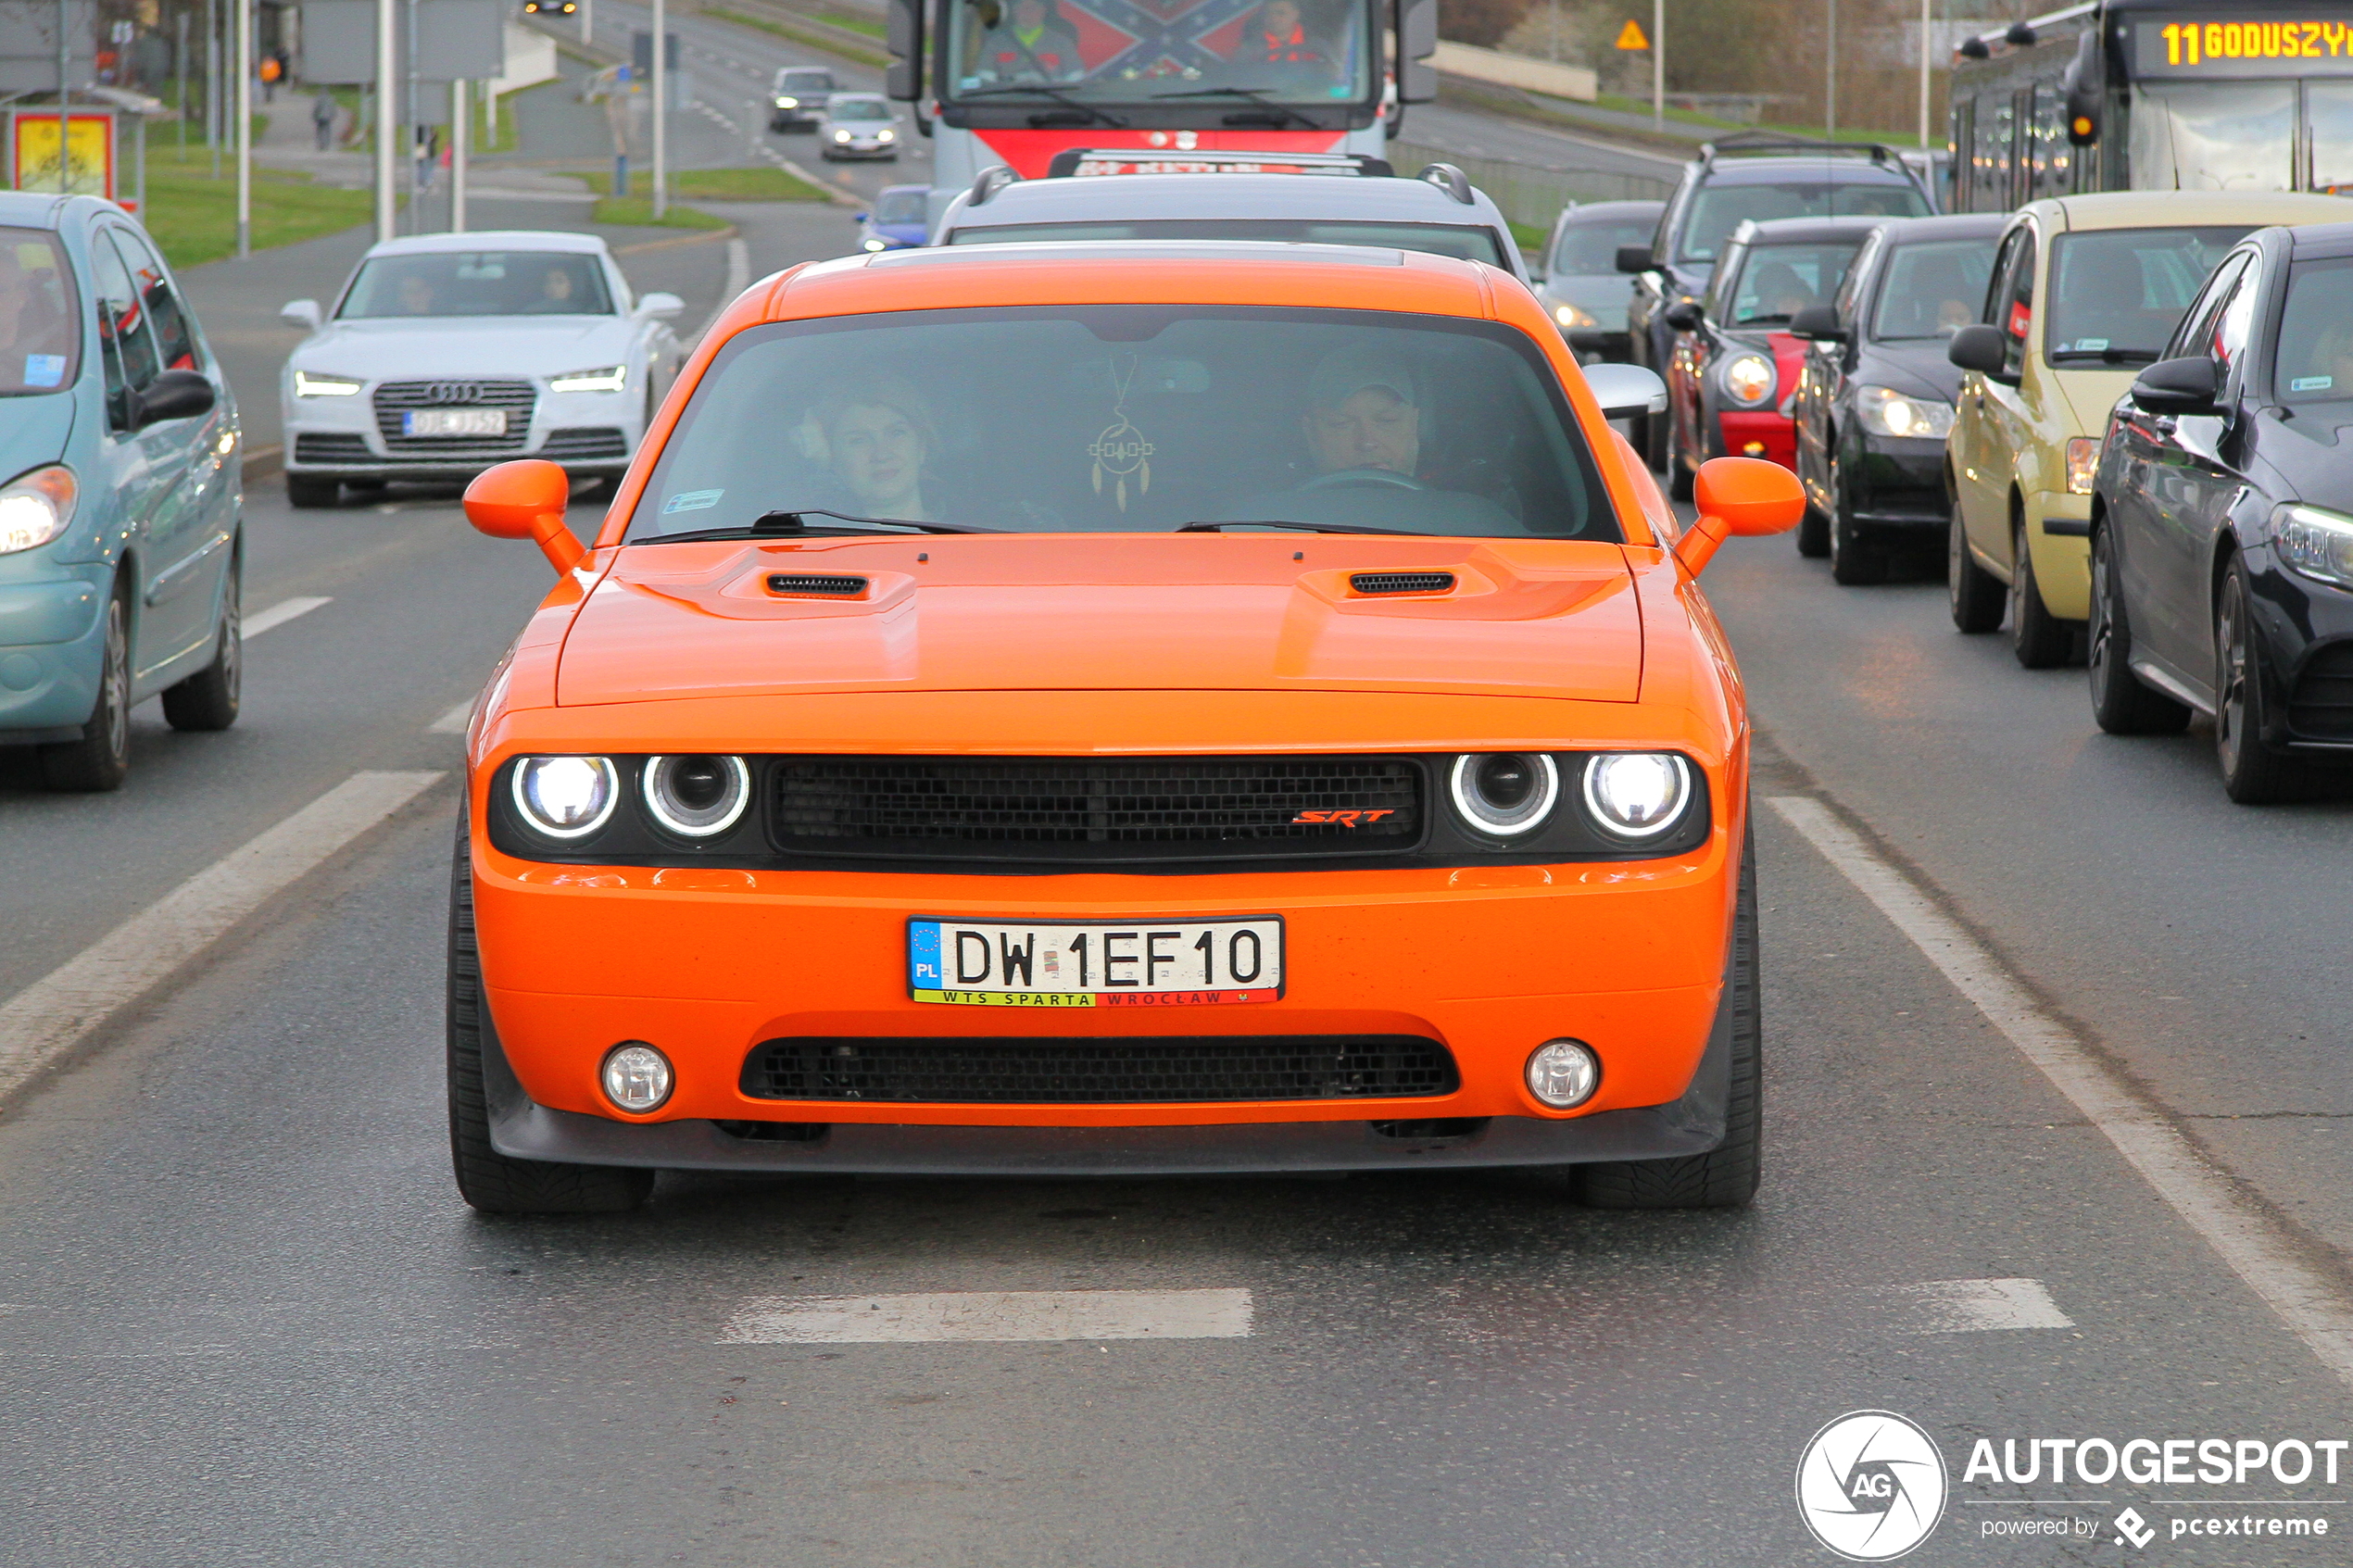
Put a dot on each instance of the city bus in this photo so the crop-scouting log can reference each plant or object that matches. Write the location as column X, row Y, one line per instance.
column 2154, row 95
column 1016, row 81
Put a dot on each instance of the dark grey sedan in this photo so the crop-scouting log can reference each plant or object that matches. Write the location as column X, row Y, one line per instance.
column 1580, row 282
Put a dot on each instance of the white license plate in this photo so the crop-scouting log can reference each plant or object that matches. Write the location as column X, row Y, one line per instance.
column 1094, row 963
column 453, row 421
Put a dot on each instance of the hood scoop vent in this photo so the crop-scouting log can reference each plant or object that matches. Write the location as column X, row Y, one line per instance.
column 799, row 583
column 1401, row 582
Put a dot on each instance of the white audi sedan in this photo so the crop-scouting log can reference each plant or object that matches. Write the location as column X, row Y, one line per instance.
column 448, row 353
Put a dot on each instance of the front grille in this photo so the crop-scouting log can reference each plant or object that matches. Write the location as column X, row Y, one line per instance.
column 1118, row 1071
column 580, row 446
column 1402, row 582
column 805, row 583
column 394, row 398
column 1078, row 809
column 331, row 449
column 2321, row 707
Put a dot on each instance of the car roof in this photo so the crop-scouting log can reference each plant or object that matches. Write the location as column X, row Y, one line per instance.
column 2186, row 209
column 492, row 239
column 1803, row 231
column 32, row 210
column 1113, row 196
column 2313, row 241
column 1950, row 226
column 1818, row 170
column 1609, row 212
column 859, row 98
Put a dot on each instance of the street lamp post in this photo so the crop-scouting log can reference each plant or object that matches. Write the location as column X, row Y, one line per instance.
column 384, row 197
column 1658, row 64
column 661, row 113
column 241, row 14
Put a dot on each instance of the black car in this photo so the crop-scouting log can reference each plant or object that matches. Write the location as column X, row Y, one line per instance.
column 2222, row 521
column 1748, row 177
column 1735, row 364
column 1875, row 401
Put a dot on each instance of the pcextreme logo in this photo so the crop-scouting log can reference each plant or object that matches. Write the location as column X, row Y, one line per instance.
column 1870, row 1485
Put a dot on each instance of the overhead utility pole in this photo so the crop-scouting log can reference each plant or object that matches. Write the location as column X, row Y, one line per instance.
column 386, row 38
column 458, row 156
column 1658, row 64
column 1928, row 33
column 661, row 113
column 1829, row 76
column 242, row 14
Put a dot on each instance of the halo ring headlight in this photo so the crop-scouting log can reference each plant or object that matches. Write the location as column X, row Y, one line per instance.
column 1505, row 793
column 1636, row 796
column 697, row 797
column 566, row 798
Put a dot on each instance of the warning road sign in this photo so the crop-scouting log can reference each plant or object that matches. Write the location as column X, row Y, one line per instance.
column 1630, row 36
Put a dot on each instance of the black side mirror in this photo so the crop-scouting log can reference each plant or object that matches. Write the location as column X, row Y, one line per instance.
column 1819, row 323
column 175, row 394
column 1978, row 348
column 1633, row 258
column 1683, row 315
column 2188, row 385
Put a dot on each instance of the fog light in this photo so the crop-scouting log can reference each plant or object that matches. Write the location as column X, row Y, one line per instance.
column 1564, row 1074
column 637, row 1077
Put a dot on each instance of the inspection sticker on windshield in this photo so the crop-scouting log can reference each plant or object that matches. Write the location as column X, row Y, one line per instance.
column 1095, row 963
column 2311, row 383
column 691, row 501
column 43, row 369
column 453, row 421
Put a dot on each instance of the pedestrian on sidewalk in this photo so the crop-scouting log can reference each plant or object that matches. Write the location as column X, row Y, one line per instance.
column 322, row 119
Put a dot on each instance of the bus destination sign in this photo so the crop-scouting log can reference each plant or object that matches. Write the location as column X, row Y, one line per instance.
column 2286, row 46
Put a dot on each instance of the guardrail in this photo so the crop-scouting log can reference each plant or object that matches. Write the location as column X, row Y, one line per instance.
column 1528, row 194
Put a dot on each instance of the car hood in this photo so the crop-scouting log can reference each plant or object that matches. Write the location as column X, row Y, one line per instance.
column 478, row 346
column 1916, row 369
column 1108, row 612
column 2091, row 394
column 34, row 430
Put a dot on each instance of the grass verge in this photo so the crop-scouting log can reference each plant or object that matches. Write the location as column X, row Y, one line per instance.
column 815, row 38
column 194, row 216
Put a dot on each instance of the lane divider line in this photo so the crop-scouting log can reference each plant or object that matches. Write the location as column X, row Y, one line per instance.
column 738, row 279
column 48, row 1018
column 2257, row 1249
column 278, row 614
column 996, row 1316
column 1976, row 1306
column 453, row 723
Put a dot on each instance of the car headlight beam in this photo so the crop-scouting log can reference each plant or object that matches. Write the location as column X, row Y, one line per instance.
column 1505, row 793
column 2315, row 543
column 1748, row 379
column 697, row 797
column 841, row 135
column 1574, row 316
column 35, row 508
column 607, row 378
column 310, row 384
column 1886, row 411
column 566, row 798
column 1636, row 796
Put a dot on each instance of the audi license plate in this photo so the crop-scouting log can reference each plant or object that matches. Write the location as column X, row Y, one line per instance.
column 1094, row 963
column 453, row 421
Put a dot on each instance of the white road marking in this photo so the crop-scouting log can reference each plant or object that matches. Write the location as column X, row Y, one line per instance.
column 738, row 279
column 1972, row 1306
column 278, row 614
column 45, row 1019
column 2304, row 1297
column 990, row 1315
column 453, row 723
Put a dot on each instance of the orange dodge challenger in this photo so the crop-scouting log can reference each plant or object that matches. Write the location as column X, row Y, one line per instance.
column 1115, row 707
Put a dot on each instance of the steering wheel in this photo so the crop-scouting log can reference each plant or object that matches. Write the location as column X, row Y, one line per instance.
column 1363, row 479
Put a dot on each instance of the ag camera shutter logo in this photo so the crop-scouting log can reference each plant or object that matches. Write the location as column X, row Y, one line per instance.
column 1871, row 1485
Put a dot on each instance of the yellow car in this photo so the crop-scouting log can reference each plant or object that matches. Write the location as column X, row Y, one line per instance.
column 2086, row 291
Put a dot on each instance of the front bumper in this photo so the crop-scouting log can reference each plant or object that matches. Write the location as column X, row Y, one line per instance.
column 1758, row 434
column 52, row 644
column 840, row 151
column 1897, row 482
column 2059, row 528
column 590, row 433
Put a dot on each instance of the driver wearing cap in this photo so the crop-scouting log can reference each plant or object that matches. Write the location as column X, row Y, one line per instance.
column 1363, row 412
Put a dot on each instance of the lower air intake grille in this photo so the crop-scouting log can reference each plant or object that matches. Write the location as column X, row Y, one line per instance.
column 1402, row 582
column 1121, row 1071
column 2322, row 706
column 332, row 449
column 584, row 445
column 1073, row 809
column 799, row 582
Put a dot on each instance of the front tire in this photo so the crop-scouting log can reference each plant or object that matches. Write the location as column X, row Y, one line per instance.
column 1974, row 594
column 98, row 762
column 207, row 699
column 2120, row 704
column 2253, row 774
column 1855, row 561
column 488, row 1181
column 1726, row 1176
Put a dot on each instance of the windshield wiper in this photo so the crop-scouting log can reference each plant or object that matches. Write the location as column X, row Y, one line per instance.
column 1301, row 527
column 1046, row 90
column 1255, row 94
column 2106, row 355
column 778, row 525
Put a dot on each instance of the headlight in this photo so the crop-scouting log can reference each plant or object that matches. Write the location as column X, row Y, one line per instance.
column 697, row 797
column 566, row 797
column 612, row 378
column 841, row 135
column 1505, row 793
column 2318, row 543
column 35, row 508
column 1637, row 795
column 1888, row 412
column 2082, row 462
column 886, row 135
column 309, row 384
column 1574, row 316
column 788, row 103
column 1748, row 379
column 878, row 245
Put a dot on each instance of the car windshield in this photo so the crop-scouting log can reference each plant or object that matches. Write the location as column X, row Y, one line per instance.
column 2316, row 334
column 1462, row 241
column 900, row 207
column 2117, row 295
column 1132, row 419
column 859, row 108
column 1138, row 51
column 1719, row 210
column 1777, row 282
column 792, row 80
column 1590, row 250
column 40, row 340
column 472, row 283
column 1932, row 289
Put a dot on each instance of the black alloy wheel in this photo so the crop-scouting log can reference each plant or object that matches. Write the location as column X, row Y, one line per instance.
column 2041, row 640
column 207, row 699
column 1856, row 559
column 2121, row 704
column 1973, row 593
column 2253, row 774
column 98, row 761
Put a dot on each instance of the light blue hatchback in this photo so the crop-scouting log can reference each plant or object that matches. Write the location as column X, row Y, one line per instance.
column 121, row 540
